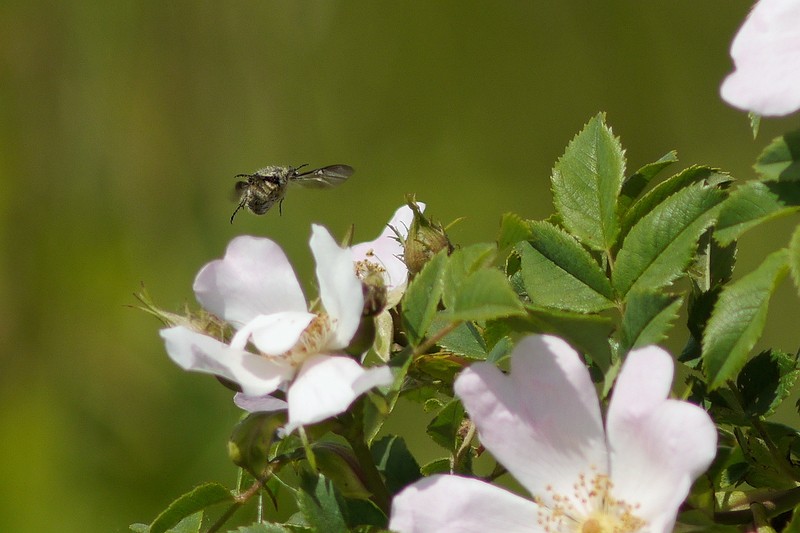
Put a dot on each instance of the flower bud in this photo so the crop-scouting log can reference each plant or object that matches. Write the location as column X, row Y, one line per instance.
column 425, row 239
column 251, row 439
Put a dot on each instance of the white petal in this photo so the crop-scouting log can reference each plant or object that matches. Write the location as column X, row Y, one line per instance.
column 327, row 385
column 658, row 447
column 453, row 504
column 201, row 353
column 766, row 53
column 542, row 422
column 386, row 251
column 254, row 278
column 339, row 287
column 273, row 334
column 259, row 404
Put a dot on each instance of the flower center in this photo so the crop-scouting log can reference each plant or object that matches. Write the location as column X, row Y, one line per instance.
column 590, row 508
column 312, row 341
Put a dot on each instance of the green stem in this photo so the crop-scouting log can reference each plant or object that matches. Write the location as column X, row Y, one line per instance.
column 353, row 432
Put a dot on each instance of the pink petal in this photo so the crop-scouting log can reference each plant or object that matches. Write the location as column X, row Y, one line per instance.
column 255, row 278
column 339, row 287
column 259, row 404
column 542, row 422
column 327, row 385
column 200, row 353
column 453, row 504
column 766, row 53
column 386, row 251
column 658, row 447
column 273, row 334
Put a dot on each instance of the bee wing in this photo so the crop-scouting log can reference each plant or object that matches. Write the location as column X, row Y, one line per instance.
column 324, row 178
column 239, row 190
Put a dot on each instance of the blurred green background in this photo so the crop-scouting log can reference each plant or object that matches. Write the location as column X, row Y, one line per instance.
column 123, row 123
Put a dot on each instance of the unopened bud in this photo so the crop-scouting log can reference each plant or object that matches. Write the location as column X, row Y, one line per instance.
column 339, row 464
column 425, row 239
column 251, row 439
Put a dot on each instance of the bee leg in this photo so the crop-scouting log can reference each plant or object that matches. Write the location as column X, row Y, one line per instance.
column 241, row 204
column 280, row 207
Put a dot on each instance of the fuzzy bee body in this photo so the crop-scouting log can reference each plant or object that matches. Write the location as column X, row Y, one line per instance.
column 268, row 185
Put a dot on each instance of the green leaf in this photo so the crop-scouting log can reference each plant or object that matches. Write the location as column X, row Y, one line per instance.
column 338, row 463
column 263, row 527
column 437, row 466
column 399, row 467
column 754, row 203
column 648, row 316
column 633, row 186
column 766, row 380
column 421, row 298
column 780, row 160
column 586, row 181
column 512, row 230
column 665, row 189
column 794, row 257
column 320, row 505
column 444, row 428
column 713, row 264
column 738, row 319
column 660, row 246
column 558, row 272
column 464, row 340
column 483, row 295
column 463, row 263
column 586, row 333
column 190, row 503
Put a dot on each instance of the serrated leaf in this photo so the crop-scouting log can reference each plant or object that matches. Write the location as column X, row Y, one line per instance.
column 484, row 295
column 422, row 296
column 320, row 505
column 464, row 340
column 512, row 230
column 263, row 527
column 766, row 380
column 444, row 428
column 738, row 319
column 794, row 258
column 713, row 264
column 660, row 246
column 633, row 186
column 437, row 466
column 665, row 189
column 461, row 264
column 393, row 458
column 558, row 272
column 648, row 316
column 754, row 203
column 190, row 503
column 586, row 181
column 586, row 333
column 780, row 160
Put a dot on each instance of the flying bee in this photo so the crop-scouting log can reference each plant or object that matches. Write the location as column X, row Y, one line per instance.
column 268, row 185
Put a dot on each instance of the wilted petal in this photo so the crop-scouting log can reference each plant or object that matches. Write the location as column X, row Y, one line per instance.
column 327, row 385
column 201, row 353
column 453, row 504
column 542, row 421
column 259, row 404
column 254, row 278
column 386, row 251
column 766, row 54
column 658, row 447
column 339, row 287
column 273, row 334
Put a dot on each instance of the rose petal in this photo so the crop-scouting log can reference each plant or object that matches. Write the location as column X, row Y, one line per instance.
column 453, row 504
column 542, row 422
column 339, row 287
column 327, row 385
column 386, row 250
column 200, row 353
column 259, row 404
column 766, row 53
column 273, row 334
column 658, row 447
column 255, row 278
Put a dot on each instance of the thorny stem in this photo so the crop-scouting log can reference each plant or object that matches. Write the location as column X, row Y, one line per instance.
column 433, row 340
column 240, row 499
column 770, row 504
